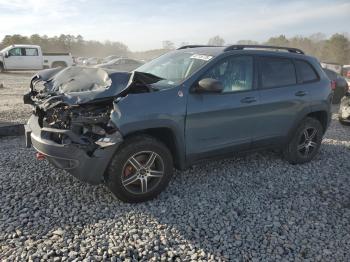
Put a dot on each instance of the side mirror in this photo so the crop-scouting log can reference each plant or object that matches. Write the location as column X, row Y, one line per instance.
column 7, row 54
column 209, row 85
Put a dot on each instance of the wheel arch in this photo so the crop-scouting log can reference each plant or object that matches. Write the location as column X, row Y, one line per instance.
column 321, row 116
column 58, row 63
column 167, row 136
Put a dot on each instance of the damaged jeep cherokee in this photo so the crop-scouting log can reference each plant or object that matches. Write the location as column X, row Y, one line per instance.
column 129, row 130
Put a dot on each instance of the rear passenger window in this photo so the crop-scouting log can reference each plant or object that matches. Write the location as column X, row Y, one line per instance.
column 307, row 73
column 31, row 52
column 276, row 72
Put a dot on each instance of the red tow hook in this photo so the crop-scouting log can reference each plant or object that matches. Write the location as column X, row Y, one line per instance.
column 40, row 156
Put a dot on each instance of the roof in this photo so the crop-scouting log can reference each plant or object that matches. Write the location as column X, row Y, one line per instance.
column 23, row 45
column 250, row 49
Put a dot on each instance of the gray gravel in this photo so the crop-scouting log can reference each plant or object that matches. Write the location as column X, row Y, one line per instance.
column 12, row 87
column 256, row 207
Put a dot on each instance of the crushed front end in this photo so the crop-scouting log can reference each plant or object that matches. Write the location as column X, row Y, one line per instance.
column 344, row 109
column 71, row 123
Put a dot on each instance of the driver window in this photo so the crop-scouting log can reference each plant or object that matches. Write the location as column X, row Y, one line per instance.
column 15, row 51
column 235, row 73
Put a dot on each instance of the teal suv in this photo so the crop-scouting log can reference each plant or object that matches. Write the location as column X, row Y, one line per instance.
column 129, row 130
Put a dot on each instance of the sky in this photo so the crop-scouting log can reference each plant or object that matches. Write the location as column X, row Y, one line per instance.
column 143, row 25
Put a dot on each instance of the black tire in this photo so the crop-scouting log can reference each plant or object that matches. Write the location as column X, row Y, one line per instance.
column 337, row 96
column 117, row 171
column 300, row 150
column 2, row 69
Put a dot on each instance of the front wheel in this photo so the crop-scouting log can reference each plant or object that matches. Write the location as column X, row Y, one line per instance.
column 305, row 143
column 140, row 169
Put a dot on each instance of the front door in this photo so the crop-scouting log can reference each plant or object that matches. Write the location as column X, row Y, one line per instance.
column 219, row 123
column 15, row 59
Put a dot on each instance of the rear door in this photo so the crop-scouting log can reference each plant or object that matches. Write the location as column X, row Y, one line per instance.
column 283, row 98
column 219, row 123
column 32, row 60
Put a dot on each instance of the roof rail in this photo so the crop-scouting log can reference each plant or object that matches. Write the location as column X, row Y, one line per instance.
column 241, row 47
column 195, row 46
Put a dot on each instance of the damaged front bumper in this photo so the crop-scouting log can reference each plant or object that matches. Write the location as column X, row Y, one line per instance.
column 344, row 109
column 72, row 157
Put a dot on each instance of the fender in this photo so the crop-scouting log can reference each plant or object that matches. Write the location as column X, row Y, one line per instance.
column 130, row 117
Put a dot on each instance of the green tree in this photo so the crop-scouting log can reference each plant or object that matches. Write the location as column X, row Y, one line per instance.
column 247, row 42
column 278, row 41
column 337, row 50
column 216, row 40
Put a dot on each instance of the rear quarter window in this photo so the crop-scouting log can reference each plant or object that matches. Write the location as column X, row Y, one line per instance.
column 306, row 71
column 277, row 72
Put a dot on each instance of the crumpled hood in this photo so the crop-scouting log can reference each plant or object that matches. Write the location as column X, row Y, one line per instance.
column 79, row 85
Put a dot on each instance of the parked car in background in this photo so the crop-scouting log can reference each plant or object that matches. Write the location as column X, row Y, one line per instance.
column 91, row 61
column 332, row 66
column 109, row 58
column 121, row 64
column 344, row 110
column 80, row 60
column 346, row 73
column 128, row 130
column 339, row 85
column 31, row 57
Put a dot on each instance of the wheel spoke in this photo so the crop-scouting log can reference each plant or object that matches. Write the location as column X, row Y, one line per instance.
column 307, row 149
column 136, row 164
column 155, row 173
column 143, row 184
column 313, row 134
column 306, row 134
column 151, row 159
column 313, row 144
column 131, row 179
column 301, row 146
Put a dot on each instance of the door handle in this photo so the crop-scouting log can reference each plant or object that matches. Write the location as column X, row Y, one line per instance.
column 300, row 93
column 248, row 100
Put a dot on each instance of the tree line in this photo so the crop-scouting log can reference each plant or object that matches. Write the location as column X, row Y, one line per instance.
column 69, row 43
column 335, row 49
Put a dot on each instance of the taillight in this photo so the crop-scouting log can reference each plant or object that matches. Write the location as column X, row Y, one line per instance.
column 333, row 84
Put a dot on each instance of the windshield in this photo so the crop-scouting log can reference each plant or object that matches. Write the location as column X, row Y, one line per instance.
column 5, row 49
column 174, row 67
column 113, row 61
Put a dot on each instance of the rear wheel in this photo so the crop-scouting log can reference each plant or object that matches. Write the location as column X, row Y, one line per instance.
column 337, row 96
column 305, row 143
column 59, row 64
column 140, row 169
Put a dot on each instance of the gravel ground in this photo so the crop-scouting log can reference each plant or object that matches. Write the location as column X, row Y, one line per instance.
column 14, row 85
column 251, row 208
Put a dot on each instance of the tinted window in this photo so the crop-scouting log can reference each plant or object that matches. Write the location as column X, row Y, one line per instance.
column 235, row 73
column 15, row 51
column 31, row 52
column 307, row 73
column 277, row 72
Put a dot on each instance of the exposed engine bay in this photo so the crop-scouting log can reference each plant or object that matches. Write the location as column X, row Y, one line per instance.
column 80, row 99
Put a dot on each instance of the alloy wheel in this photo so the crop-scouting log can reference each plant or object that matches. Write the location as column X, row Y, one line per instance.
column 308, row 142
column 142, row 172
